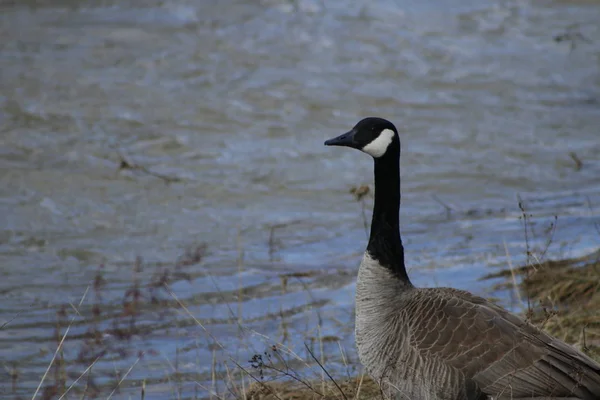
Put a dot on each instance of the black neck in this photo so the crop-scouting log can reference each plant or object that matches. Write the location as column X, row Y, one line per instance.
column 385, row 244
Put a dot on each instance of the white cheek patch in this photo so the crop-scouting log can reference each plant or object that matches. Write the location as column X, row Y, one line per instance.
column 378, row 147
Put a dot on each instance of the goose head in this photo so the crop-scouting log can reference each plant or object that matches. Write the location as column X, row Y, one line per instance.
column 374, row 136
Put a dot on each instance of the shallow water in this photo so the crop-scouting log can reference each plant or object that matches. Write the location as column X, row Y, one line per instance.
column 232, row 101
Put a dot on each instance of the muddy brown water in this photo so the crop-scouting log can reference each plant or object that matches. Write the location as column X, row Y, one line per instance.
column 218, row 112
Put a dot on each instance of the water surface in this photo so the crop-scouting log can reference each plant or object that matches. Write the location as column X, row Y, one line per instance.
column 223, row 108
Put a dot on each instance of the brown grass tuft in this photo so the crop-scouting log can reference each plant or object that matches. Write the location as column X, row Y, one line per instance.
column 359, row 388
column 564, row 297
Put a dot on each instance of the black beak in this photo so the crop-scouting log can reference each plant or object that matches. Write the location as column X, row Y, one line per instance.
column 347, row 139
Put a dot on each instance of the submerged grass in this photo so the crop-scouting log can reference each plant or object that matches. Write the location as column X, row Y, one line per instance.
column 561, row 297
column 564, row 299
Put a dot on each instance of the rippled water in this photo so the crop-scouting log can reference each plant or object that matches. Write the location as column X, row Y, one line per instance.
column 232, row 100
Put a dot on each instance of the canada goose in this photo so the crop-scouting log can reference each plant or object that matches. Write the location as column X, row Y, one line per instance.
column 443, row 343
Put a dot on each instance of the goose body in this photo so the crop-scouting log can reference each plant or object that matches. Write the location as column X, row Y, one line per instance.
column 444, row 343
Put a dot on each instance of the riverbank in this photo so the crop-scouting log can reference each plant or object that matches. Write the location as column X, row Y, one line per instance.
column 560, row 296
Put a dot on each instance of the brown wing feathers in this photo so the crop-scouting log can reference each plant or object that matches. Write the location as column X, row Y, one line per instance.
column 501, row 353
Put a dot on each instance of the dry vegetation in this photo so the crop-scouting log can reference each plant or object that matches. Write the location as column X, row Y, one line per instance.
column 562, row 297
column 109, row 331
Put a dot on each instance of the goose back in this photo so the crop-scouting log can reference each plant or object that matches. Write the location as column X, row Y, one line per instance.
column 447, row 344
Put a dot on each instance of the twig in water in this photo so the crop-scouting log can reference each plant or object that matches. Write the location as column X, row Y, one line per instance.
column 360, row 193
column 123, row 378
column 525, row 231
column 551, row 230
column 77, row 380
column 53, row 358
column 14, row 376
column 13, row 318
column 571, row 35
column 446, row 206
column 577, row 160
column 126, row 164
column 272, row 242
column 589, row 204
column 275, row 244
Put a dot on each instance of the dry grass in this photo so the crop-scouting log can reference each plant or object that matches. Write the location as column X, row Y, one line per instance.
column 360, row 387
column 81, row 330
column 563, row 298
